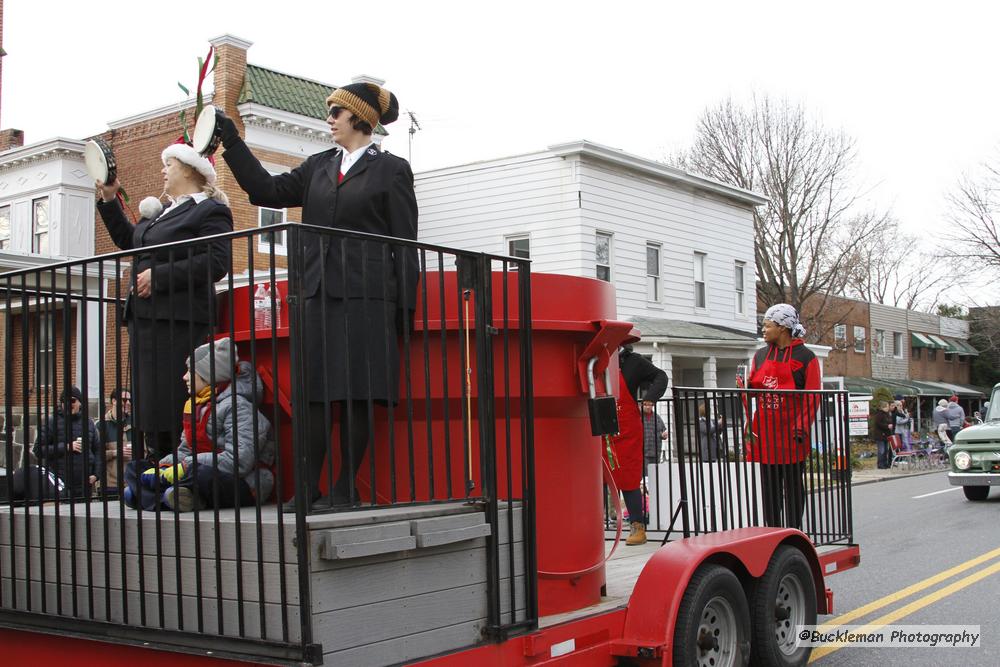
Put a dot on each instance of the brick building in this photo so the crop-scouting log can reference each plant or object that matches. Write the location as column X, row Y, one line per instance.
column 48, row 214
column 921, row 356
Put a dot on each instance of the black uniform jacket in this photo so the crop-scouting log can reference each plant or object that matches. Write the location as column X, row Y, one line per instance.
column 182, row 278
column 376, row 196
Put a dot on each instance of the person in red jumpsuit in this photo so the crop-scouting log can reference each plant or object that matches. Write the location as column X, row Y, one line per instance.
column 627, row 457
column 781, row 424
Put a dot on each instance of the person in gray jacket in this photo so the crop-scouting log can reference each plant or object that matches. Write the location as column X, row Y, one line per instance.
column 226, row 453
column 956, row 418
column 939, row 418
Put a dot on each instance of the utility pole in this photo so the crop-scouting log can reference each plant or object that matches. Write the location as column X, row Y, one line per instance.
column 414, row 126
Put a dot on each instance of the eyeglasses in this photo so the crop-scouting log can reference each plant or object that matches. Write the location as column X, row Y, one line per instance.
column 335, row 111
column 74, row 400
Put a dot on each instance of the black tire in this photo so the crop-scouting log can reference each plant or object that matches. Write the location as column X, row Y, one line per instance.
column 713, row 623
column 785, row 597
column 976, row 492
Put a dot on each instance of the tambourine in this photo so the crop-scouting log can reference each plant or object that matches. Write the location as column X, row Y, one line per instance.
column 100, row 161
column 207, row 131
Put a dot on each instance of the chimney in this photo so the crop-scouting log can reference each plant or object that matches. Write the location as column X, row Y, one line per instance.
column 229, row 73
column 11, row 139
column 361, row 78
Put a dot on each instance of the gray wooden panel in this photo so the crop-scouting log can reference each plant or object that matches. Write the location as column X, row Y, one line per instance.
column 360, row 625
column 386, row 514
column 171, row 618
column 408, row 648
column 190, row 585
column 157, row 536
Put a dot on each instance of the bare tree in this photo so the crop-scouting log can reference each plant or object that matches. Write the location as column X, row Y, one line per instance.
column 893, row 270
column 809, row 229
column 975, row 208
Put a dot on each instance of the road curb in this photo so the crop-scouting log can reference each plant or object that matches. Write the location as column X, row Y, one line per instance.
column 888, row 478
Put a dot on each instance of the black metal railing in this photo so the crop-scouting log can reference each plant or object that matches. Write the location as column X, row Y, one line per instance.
column 736, row 458
column 418, row 356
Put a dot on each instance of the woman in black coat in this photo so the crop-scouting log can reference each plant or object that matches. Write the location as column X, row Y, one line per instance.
column 69, row 446
column 357, row 293
column 172, row 293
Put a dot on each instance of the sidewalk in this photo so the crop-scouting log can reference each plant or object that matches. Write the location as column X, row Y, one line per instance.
column 870, row 476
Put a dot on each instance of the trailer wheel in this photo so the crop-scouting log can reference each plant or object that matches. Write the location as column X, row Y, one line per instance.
column 713, row 623
column 976, row 492
column 784, row 598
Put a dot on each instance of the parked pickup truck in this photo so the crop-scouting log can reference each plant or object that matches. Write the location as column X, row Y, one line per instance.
column 975, row 456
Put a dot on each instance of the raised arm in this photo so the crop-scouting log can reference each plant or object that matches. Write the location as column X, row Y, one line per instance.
column 281, row 191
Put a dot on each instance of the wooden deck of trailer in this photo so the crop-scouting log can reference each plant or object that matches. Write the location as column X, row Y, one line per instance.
column 387, row 585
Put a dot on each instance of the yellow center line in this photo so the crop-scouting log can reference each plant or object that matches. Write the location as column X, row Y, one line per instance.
column 912, row 607
column 875, row 605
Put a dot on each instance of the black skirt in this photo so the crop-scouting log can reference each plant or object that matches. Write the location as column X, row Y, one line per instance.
column 160, row 349
column 351, row 350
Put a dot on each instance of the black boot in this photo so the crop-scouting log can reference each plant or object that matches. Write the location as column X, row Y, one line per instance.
column 318, row 434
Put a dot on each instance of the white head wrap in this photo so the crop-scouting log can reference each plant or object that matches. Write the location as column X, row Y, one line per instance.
column 786, row 316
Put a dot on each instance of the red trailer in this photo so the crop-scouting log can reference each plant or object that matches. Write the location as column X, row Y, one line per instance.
column 483, row 490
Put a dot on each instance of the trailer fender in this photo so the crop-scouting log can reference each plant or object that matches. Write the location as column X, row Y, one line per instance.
column 653, row 607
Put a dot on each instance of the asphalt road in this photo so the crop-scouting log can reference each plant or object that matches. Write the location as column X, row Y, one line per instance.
column 925, row 560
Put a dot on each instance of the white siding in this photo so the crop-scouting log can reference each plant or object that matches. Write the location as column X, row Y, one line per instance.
column 640, row 209
column 562, row 202
column 475, row 207
column 954, row 328
column 62, row 178
column 891, row 320
column 922, row 322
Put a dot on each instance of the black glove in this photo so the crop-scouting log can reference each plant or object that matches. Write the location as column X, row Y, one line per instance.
column 227, row 129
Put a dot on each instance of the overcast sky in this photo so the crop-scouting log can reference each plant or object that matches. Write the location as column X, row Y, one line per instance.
column 916, row 84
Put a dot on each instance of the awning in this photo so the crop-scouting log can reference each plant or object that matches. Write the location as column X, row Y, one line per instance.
column 965, row 349
column 937, row 340
column 920, row 340
column 946, row 389
column 860, row 385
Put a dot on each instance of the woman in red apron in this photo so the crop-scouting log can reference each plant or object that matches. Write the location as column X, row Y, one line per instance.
column 626, row 447
column 781, row 423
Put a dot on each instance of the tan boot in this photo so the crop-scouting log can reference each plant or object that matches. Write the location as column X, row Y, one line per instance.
column 637, row 534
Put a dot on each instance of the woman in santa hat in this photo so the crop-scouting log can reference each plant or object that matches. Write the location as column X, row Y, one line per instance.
column 171, row 292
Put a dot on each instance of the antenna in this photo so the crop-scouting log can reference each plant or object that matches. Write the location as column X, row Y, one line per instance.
column 414, row 126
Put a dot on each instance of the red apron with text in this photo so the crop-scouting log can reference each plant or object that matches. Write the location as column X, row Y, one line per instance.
column 774, row 424
column 627, row 445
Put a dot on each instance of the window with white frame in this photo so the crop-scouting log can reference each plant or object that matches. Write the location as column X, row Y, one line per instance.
column 519, row 246
column 859, row 339
column 739, row 284
column 653, row 272
column 45, row 349
column 700, row 295
column 265, row 218
column 602, row 265
column 4, row 227
column 40, row 226
column 897, row 345
column 840, row 336
column 878, row 345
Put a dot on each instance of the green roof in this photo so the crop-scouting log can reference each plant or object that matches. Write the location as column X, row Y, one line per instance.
column 288, row 93
column 285, row 92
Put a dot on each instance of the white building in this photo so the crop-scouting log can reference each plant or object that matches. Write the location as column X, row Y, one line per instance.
column 678, row 247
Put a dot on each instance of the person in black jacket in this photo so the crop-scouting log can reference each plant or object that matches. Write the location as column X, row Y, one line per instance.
column 70, row 447
column 884, row 427
column 171, row 294
column 627, row 446
column 357, row 294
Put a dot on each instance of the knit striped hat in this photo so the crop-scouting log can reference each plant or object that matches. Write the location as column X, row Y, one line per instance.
column 372, row 104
